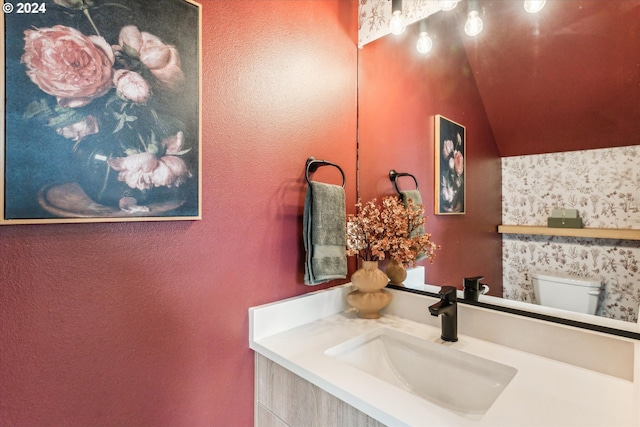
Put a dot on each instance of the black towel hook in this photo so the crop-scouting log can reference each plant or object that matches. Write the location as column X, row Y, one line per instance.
column 313, row 165
column 393, row 177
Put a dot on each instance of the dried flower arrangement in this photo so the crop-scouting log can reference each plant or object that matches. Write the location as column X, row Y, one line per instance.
column 390, row 229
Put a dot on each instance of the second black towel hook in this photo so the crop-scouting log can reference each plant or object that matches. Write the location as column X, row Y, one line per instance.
column 313, row 165
column 393, row 177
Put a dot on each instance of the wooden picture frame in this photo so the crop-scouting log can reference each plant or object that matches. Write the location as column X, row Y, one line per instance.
column 118, row 138
column 450, row 167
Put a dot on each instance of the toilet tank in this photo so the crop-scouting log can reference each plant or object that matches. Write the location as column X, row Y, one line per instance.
column 558, row 290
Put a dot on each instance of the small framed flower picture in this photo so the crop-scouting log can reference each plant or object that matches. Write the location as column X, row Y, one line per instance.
column 101, row 111
column 450, row 167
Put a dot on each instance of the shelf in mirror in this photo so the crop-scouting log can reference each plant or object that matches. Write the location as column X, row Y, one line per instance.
column 597, row 233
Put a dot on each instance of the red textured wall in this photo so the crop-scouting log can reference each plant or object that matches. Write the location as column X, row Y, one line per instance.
column 145, row 324
column 564, row 79
column 400, row 92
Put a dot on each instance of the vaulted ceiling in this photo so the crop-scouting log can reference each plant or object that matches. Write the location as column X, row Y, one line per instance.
column 567, row 78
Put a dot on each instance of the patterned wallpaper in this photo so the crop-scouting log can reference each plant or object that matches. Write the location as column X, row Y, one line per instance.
column 604, row 185
column 374, row 16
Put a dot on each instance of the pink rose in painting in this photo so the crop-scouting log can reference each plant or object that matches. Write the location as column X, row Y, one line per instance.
column 79, row 130
column 65, row 63
column 145, row 170
column 174, row 144
column 447, row 148
column 131, row 86
column 171, row 170
column 447, row 191
column 458, row 160
column 136, row 169
column 162, row 60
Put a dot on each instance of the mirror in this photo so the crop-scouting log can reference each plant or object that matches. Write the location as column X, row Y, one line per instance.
column 553, row 83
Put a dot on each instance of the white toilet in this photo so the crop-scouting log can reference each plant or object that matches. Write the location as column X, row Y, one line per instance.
column 567, row 292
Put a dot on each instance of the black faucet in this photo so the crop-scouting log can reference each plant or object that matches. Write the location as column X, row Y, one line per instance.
column 472, row 287
column 448, row 308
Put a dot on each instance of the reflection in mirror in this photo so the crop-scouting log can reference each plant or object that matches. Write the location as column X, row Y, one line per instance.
column 560, row 91
column 571, row 318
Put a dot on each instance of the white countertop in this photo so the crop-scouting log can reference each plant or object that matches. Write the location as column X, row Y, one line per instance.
column 296, row 332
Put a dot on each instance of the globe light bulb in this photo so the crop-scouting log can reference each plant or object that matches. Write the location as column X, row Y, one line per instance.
column 397, row 23
column 534, row 6
column 447, row 5
column 473, row 26
column 424, row 44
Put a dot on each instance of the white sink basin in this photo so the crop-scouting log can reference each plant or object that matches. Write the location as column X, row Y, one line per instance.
column 463, row 383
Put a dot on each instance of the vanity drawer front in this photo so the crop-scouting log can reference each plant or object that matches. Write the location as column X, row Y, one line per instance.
column 296, row 402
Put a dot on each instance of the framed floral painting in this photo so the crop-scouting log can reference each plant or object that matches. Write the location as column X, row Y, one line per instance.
column 450, row 165
column 102, row 111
